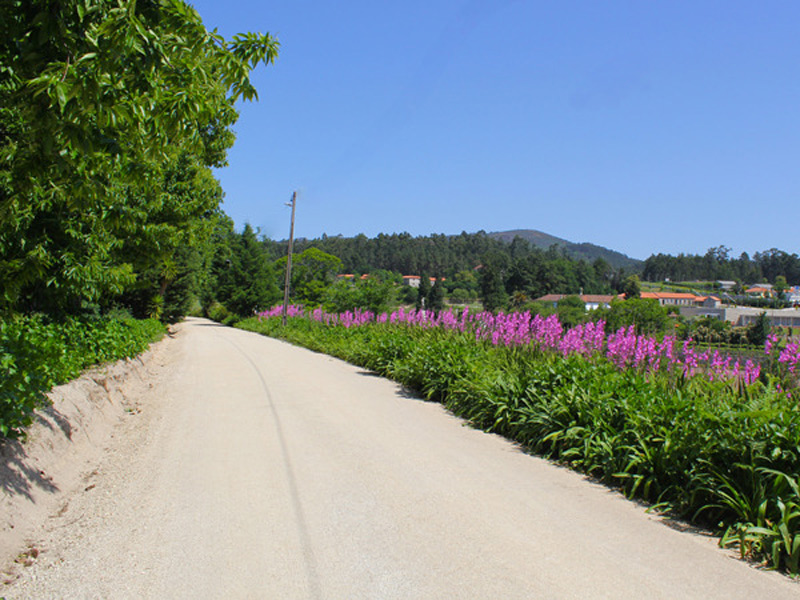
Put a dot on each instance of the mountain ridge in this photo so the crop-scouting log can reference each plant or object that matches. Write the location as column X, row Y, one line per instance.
column 583, row 250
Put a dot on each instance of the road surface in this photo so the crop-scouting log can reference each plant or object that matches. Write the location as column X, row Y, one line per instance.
column 259, row 470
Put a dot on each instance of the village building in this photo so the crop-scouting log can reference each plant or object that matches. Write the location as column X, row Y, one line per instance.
column 762, row 290
column 745, row 315
column 414, row 280
column 591, row 301
column 673, row 298
column 709, row 301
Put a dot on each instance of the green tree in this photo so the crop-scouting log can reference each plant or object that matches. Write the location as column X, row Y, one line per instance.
column 168, row 251
column 437, row 295
column 632, row 288
column 459, row 296
column 492, row 289
column 780, row 286
column 519, row 299
column 645, row 314
column 571, row 310
column 100, row 102
column 407, row 295
column 423, row 291
column 313, row 271
column 246, row 279
column 758, row 331
column 375, row 293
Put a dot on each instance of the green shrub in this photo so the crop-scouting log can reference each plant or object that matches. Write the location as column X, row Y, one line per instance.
column 36, row 355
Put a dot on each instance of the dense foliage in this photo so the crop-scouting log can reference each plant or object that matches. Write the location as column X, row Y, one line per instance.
column 244, row 279
column 36, row 354
column 436, row 254
column 111, row 115
column 525, row 267
column 717, row 264
column 474, row 265
column 719, row 450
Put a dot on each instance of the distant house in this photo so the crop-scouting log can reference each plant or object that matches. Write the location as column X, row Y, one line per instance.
column 413, row 280
column 762, row 290
column 792, row 295
column 594, row 301
column 674, row 298
column 590, row 301
column 551, row 299
column 709, row 302
column 726, row 286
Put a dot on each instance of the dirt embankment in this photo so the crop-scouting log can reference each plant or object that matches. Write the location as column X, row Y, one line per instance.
column 63, row 446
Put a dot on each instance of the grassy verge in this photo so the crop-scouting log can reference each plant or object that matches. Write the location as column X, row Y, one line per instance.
column 717, row 453
column 36, row 355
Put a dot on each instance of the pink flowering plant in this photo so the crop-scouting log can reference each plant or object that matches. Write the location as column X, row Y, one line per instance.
column 624, row 348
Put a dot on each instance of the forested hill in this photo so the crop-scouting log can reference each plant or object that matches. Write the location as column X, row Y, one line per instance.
column 583, row 251
column 717, row 263
column 437, row 254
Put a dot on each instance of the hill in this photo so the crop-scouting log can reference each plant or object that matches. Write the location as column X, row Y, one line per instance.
column 584, row 250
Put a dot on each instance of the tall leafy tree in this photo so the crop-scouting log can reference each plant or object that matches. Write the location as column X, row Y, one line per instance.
column 493, row 293
column 780, row 286
column 103, row 104
column 632, row 287
column 313, row 271
column 437, row 295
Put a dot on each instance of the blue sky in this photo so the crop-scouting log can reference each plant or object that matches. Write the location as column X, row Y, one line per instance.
column 660, row 126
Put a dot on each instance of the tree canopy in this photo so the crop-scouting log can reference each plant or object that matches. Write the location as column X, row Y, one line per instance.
column 717, row 264
column 111, row 114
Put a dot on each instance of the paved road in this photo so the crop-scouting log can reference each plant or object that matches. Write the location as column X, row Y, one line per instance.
column 260, row 470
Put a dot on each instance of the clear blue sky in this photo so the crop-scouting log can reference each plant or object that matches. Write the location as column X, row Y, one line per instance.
column 660, row 126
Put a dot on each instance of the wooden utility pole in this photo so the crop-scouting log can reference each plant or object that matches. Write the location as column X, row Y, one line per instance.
column 289, row 261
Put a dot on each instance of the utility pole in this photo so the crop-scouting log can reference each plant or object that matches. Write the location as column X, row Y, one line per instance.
column 293, row 203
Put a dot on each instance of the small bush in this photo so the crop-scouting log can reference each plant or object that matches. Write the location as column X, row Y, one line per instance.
column 36, row 355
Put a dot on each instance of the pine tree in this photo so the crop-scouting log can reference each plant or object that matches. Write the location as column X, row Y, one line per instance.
column 436, row 296
column 247, row 282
